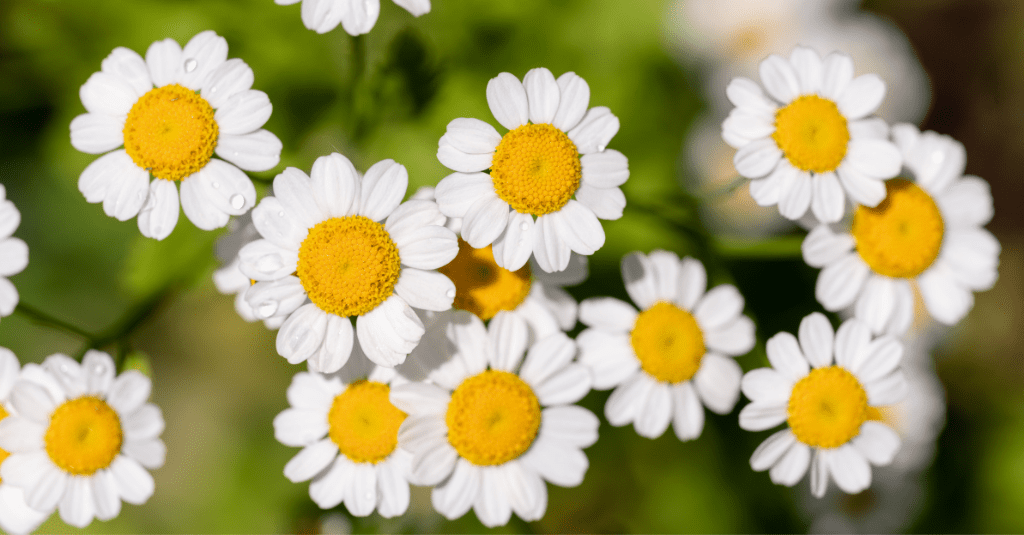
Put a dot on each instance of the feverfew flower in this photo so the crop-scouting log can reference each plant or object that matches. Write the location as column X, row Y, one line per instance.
column 812, row 138
column 674, row 357
column 490, row 431
column 13, row 253
column 172, row 112
column 15, row 515
column 81, row 439
column 350, row 246
column 229, row 279
column 927, row 233
column 355, row 16
column 830, row 406
column 554, row 151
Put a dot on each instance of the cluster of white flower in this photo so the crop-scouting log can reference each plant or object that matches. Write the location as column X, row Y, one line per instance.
column 435, row 330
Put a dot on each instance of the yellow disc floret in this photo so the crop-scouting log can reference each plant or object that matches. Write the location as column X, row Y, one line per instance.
column 482, row 286
column 171, row 132
column 668, row 342
column 3, row 453
column 492, row 418
column 827, row 407
column 84, row 436
column 363, row 423
column 536, row 169
column 812, row 134
column 902, row 236
column 348, row 265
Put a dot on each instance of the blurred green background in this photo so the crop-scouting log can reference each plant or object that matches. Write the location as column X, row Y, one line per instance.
column 219, row 380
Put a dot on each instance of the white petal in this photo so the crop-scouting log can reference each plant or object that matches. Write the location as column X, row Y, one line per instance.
column 77, row 507
column 692, row 283
column 863, row 189
column 642, row 284
column 822, row 247
column 808, row 67
column 360, row 17
column 227, row 80
column 201, row 55
column 302, row 333
column 255, row 151
column 15, row 515
column 559, row 463
column 458, row 192
column 595, row 130
column 568, row 385
column 243, row 112
column 862, row 96
column 383, row 187
column 734, row 338
column 225, row 187
column 414, row 7
column 779, row 79
column 972, row 257
column 877, row 302
column 606, row 203
column 550, row 249
column 607, row 313
column 508, row 337
column 746, row 93
column 97, row 133
column 945, row 299
column 579, row 228
column 747, row 125
column 871, row 127
column 817, row 339
column 827, row 199
column 337, row 345
column 542, row 94
column 322, row 16
column 785, row 356
column 766, row 385
column 719, row 306
column 514, row 246
column 159, row 216
column 837, row 72
column 792, row 466
column 771, row 450
column 107, row 94
column 849, row 469
column 758, row 158
column 411, row 215
column 526, row 491
column 106, row 495
column 21, row 435
column 33, row 401
column 199, row 204
column 852, row 340
column 457, row 160
column 433, row 466
column 889, row 390
column 393, row 486
column 361, row 492
column 13, row 256
column 570, row 424
column 472, row 136
column 507, row 100
column 687, row 412
column 300, row 427
column 149, row 453
column 129, row 66
column 819, row 473
column 877, row 443
column 967, row 203
column 428, row 247
column 163, row 59
column 485, row 221
column 759, row 416
column 328, row 490
column 389, row 332
column 546, row 357
column 310, row 461
column 143, row 424
column 606, row 169
column 118, row 182
column 839, row 283
column 492, row 505
column 795, row 192
column 718, row 383
column 455, row 496
column 129, row 391
column 427, row 290
column 876, row 158
column 573, row 101
column 10, row 368
column 420, row 398
column 263, row 260
column 276, row 225
column 134, row 482
column 609, row 357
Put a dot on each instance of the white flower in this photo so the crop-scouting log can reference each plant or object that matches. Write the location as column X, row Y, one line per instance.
column 348, row 431
column 13, row 253
column 355, row 16
column 344, row 242
column 927, row 234
column 172, row 112
column 813, row 138
column 672, row 357
column 827, row 404
column 490, row 432
column 229, row 279
column 15, row 515
column 554, row 151
column 81, row 438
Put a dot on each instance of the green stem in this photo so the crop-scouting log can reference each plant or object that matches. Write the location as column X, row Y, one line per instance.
column 42, row 318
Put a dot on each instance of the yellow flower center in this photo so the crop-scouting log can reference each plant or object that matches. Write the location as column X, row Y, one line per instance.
column 170, row 132
column 902, row 236
column 812, row 134
column 4, row 454
column 536, row 169
column 827, row 407
column 348, row 265
column 668, row 342
column 492, row 418
column 481, row 286
column 84, row 436
column 363, row 422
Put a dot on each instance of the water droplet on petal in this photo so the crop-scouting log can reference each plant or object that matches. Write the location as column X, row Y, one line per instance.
column 215, row 185
column 450, row 294
column 600, row 148
column 237, row 201
column 267, row 309
column 191, row 64
column 99, row 369
column 524, row 226
column 269, row 263
column 64, row 368
column 281, row 213
column 369, row 495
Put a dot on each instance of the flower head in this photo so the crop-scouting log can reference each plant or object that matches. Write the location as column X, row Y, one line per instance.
column 13, row 253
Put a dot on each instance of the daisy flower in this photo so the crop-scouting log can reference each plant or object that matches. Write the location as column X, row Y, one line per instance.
column 830, row 406
column 15, row 515
column 357, row 17
column 927, row 235
column 229, row 279
column 81, row 439
column 172, row 112
column 673, row 356
column 13, row 253
column 812, row 137
column 490, row 435
column 554, row 151
column 339, row 245
column 348, row 431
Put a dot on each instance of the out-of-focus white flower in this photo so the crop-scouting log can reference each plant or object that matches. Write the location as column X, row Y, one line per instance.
column 355, row 16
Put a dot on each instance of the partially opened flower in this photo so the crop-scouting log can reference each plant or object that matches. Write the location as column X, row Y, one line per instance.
column 490, row 431
column 673, row 357
column 540, row 188
column 830, row 405
column 15, row 515
column 811, row 142
column 350, row 246
column 13, row 253
column 927, row 235
column 172, row 112
column 348, row 431
column 355, row 16
column 229, row 279
column 81, row 439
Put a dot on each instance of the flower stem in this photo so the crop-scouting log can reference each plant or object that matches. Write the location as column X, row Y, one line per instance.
column 42, row 318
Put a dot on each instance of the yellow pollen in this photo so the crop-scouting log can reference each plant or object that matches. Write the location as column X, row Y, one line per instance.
column 827, row 407
column 492, row 418
column 363, row 422
column 812, row 134
column 348, row 265
column 668, row 342
column 170, row 132
column 4, row 454
column 84, row 436
column 536, row 169
column 481, row 286
column 902, row 236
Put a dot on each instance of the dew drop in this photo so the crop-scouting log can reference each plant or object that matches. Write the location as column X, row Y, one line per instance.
column 267, row 309
column 237, row 201
column 215, row 185
column 64, row 368
column 235, row 153
column 191, row 64
column 268, row 263
column 450, row 294
column 524, row 226
column 600, row 148
column 98, row 369
column 369, row 495
column 281, row 213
